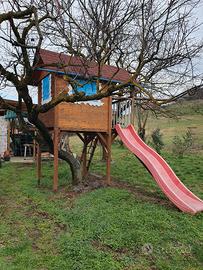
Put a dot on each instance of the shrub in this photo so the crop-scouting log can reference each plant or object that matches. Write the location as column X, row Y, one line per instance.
column 157, row 140
column 181, row 144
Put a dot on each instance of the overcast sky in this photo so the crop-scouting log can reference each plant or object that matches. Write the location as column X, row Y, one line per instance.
column 199, row 15
column 198, row 62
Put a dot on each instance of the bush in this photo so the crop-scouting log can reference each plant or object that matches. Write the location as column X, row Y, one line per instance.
column 181, row 144
column 157, row 141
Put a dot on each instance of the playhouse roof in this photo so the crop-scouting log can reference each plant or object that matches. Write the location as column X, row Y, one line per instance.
column 13, row 103
column 77, row 66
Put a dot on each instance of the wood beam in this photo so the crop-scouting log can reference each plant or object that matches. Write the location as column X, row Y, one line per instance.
column 80, row 136
column 84, row 157
column 108, row 161
column 39, row 165
column 102, row 139
column 56, row 142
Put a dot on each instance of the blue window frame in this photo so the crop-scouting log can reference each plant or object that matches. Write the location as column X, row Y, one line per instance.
column 90, row 88
column 46, row 89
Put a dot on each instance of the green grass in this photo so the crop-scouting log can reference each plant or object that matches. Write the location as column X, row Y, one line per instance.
column 188, row 115
column 129, row 226
column 187, row 107
column 107, row 228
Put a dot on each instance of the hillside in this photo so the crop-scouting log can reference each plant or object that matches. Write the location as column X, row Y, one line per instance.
column 186, row 115
column 197, row 95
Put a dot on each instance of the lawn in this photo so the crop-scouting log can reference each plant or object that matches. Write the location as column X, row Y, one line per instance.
column 130, row 225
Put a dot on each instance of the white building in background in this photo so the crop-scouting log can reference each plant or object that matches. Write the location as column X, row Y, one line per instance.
column 3, row 135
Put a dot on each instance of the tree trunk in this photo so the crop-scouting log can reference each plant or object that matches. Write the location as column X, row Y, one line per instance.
column 66, row 156
column 74, row 164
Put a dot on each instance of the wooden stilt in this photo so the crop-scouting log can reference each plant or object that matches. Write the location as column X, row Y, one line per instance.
column 56, row 142
column 84, row 160
column 108, row 143
column 39, row 164
column 108, row 160
column 34, row 148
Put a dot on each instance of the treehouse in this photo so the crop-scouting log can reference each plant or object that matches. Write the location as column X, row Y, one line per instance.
column 91, row 120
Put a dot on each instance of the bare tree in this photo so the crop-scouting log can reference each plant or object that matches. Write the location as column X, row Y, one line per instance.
column 152, row 39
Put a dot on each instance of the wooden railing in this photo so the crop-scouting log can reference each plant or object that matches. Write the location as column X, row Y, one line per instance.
column 122, row 111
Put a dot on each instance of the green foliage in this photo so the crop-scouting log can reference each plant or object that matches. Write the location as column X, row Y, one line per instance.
column 182, row 144
column 157, row 140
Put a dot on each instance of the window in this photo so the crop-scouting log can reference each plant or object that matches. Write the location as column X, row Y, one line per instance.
column 90, row 88
column 46, row 89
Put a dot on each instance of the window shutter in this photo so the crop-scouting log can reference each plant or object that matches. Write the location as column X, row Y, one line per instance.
column 46, row 89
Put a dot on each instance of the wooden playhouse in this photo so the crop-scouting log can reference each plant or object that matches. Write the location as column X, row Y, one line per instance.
column 92, row 121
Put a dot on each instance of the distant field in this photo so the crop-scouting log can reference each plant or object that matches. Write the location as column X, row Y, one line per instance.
column 188, row 115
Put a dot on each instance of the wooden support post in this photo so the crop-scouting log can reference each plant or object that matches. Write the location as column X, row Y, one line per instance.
column 108, row 142
column 103, row 142
column 108, row 160
column 39, row 164
column 34, row 147
column 34, row 150
column 102, row 138
column 39, row 155
column 80, row 136
column 84, row 159
column 56, row 142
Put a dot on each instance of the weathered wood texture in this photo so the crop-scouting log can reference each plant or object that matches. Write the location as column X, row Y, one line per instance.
column 80, row 117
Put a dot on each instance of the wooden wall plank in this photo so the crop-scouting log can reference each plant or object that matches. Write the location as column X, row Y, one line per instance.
column 81, row 117
column 75, row 117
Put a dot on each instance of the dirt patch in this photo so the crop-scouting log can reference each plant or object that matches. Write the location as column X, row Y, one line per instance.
column 143, row 195
column 107, row 248
column 117, row 254
column 95, row 181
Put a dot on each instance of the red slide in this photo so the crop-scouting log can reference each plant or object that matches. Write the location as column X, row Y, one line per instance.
column 169, row 183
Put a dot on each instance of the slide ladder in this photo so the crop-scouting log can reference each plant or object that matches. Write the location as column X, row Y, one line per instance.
column 165, row 177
